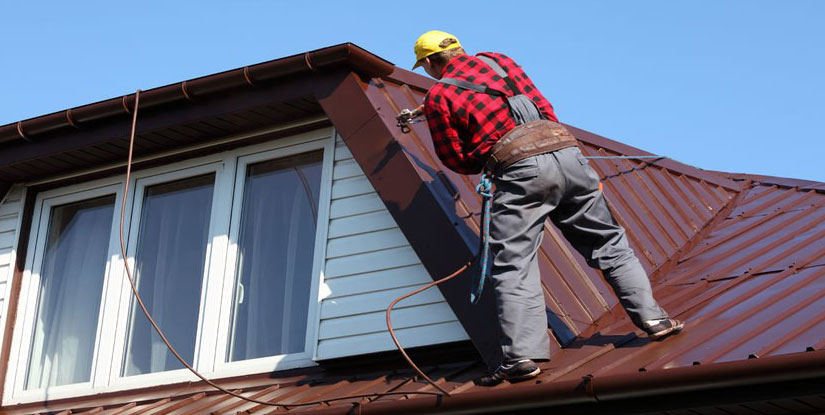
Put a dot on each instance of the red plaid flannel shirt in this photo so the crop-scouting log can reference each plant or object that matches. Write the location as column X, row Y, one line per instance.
column 465, row 124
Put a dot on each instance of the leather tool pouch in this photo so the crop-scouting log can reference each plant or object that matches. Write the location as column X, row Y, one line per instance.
column 530, row 139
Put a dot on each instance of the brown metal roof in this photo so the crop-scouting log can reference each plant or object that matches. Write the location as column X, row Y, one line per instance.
column 183, row 113
column 663, row 204
column 739, row 257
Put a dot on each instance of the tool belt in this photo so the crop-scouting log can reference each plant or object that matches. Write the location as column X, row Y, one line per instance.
column 526, row 140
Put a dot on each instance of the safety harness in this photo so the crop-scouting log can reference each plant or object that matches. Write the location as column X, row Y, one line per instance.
column 523, row 110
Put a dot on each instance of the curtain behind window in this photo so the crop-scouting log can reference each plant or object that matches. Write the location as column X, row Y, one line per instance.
column 276, row 250
column 171, row 252
column 71, row 281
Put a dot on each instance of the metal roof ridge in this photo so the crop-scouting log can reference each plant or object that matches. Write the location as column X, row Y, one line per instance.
column 671, row 164
column 786, row 182
column 708, row 227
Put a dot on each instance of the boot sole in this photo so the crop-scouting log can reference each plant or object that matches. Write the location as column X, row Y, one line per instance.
column 527, row 376
column 492, row 381
column 663, row 333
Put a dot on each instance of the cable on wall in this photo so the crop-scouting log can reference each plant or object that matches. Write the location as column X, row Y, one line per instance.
column 355, row 398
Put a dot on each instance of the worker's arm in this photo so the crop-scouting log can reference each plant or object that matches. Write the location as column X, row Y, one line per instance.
column 445, row 137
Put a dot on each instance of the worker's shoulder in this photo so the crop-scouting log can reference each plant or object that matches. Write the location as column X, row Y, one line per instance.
column 493, row 54
column 500, row 57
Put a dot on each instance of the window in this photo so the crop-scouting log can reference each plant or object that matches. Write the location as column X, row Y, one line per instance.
column 171, row 252
column 226, row 252
column 278, row 195
column 71, row 282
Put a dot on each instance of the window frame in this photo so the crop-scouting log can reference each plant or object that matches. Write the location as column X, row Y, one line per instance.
column 231, row 270
column 29, row 291
column 139, row 184
column 219, row 274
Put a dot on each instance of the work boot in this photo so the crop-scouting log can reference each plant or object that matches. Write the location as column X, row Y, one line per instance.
column 657, row 329
column 518, row 370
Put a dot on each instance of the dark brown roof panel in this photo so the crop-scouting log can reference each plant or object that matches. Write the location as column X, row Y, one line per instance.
column 772, row 305
column 662, row 204
column 770, row 230
column 738, row 257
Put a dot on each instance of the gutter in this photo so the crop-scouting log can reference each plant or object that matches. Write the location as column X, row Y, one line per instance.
column 805, row 367
column 194, row 90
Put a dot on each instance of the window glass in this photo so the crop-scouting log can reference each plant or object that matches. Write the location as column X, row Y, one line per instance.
column 276, row 249
column 71, row 281
column 171, row 250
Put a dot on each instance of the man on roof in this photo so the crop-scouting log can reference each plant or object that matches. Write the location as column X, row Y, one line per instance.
column 486, row 115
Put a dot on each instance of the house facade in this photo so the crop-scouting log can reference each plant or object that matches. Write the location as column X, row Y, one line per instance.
column 275, row 210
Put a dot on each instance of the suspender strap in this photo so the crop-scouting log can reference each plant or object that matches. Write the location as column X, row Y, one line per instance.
column 493, row 65
column 502, row 73
column 522, row 108
column 484, row 89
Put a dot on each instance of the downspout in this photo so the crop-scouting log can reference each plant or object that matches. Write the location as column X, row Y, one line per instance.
column 606, row 389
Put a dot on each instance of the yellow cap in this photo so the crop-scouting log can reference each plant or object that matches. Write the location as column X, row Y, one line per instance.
column 431, row 42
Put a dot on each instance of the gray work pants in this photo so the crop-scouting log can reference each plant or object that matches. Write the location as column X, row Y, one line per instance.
column 563, row 186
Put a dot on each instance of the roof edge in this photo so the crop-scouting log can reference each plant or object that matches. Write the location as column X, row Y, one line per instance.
column 786, row 182
column 411, row 79
column 320, row 60
column 609, row 389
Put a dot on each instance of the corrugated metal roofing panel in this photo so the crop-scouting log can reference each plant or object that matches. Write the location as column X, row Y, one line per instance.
column 740, row 260
column 662, row 204
column 730, row 318
column 769, row 230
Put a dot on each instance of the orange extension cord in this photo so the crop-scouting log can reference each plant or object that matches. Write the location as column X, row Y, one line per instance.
column 441, row 391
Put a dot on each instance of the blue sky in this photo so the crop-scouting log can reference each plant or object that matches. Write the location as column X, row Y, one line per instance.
column 722, row 85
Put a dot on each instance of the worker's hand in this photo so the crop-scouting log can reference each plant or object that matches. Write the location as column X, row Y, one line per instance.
column 406, row 116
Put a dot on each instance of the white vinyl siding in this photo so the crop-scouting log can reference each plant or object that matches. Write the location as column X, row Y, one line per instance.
column 369, row 263
column 10, row 215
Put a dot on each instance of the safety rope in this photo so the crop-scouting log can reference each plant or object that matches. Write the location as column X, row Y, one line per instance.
column 485, row 190
column 624, row 157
